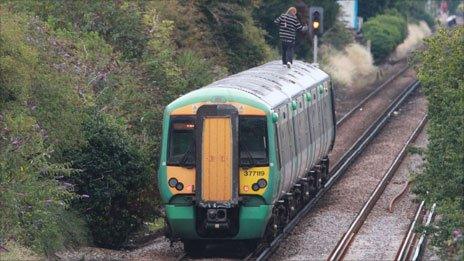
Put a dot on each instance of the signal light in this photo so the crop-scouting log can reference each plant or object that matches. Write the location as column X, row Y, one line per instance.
column 316, row 15
column 316, row 24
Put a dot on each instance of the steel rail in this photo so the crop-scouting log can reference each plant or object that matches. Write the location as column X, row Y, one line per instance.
column 405, row 248
column 346, row 160
column 336, row 172
column 420, row 247
column 345, row 242
column 374, row 92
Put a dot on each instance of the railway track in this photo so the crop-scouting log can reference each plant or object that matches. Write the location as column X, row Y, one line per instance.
column 345, row 242
column 412, row 247
column 372, row 94
column 339, row 168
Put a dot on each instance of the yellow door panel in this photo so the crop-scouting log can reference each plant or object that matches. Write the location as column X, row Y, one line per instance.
column 216, row 159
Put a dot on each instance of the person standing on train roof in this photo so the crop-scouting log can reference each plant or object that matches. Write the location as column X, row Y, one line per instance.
column 288, row 26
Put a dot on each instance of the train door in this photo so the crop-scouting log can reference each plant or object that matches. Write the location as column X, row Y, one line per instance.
column 317, row 125
column 328, row 122
column 320, row 99
column 284, row 148
column 217, row 150
column 292, row 142
column 323, row 117
column 301, row 131
column 310, row 126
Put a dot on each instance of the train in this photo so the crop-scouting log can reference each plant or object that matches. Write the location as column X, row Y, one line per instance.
column 241, row 156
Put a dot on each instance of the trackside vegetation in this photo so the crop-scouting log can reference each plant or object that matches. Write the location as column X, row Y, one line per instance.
column 385, row 31
column 82, row 89
column 441, row 73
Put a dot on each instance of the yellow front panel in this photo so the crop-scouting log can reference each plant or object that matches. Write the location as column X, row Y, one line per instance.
column 216, row 159
column 184, row 175
column 250, row 176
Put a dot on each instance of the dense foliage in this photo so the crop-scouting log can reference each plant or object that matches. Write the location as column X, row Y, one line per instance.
column 82, row 88
column 34, row 201
column 385, row 32
column 412, row 9
column 111, row 179
column 441, row 73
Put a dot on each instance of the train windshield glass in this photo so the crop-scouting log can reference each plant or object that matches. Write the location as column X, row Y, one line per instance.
column 182, row 142
column 253, row 141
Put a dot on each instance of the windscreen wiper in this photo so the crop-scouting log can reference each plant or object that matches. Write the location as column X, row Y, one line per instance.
column 186, row 154
column 250, row 157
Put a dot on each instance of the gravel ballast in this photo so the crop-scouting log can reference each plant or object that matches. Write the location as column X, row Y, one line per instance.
column 381, row 235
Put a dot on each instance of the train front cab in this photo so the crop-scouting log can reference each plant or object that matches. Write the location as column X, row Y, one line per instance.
column 218, row 171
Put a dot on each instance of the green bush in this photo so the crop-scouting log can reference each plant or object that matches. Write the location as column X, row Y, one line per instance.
column 385, row 32
column 234, row 29
column 441, row 73
column 118, row 22
column 339, row 36
column 34, row 203
column 412, row 9
column 111, row 179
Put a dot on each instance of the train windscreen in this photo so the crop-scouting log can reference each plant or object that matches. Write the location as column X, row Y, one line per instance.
column 182, row 142
column 253, row 141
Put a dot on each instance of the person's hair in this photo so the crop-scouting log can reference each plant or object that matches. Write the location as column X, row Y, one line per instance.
column 291, row 9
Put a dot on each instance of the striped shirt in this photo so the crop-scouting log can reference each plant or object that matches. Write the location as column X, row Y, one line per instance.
column 289, row 24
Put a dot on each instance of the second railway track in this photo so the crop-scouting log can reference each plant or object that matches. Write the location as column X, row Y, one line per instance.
column 345, row 242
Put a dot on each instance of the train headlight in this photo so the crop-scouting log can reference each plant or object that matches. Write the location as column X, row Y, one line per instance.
column 262, row 183
column 172, row 182
column 255, row 187
column 180, row 186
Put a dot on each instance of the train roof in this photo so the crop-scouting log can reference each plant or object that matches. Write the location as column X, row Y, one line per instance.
column 272, row 82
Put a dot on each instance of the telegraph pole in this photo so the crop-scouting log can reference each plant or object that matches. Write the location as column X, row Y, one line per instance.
column 315, row 49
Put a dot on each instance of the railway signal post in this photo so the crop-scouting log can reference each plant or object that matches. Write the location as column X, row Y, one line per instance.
column 316, row 15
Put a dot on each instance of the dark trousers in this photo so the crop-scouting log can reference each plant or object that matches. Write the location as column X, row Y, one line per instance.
column 287, row 52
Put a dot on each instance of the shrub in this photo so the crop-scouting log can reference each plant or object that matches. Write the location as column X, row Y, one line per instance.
column 35, row 205
column 234, row 29
column 440, row 71
column 385, row 32
column 339, row 36
column 412, row 9
column 118, row 22
column 34, row 202
column 111, row 180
